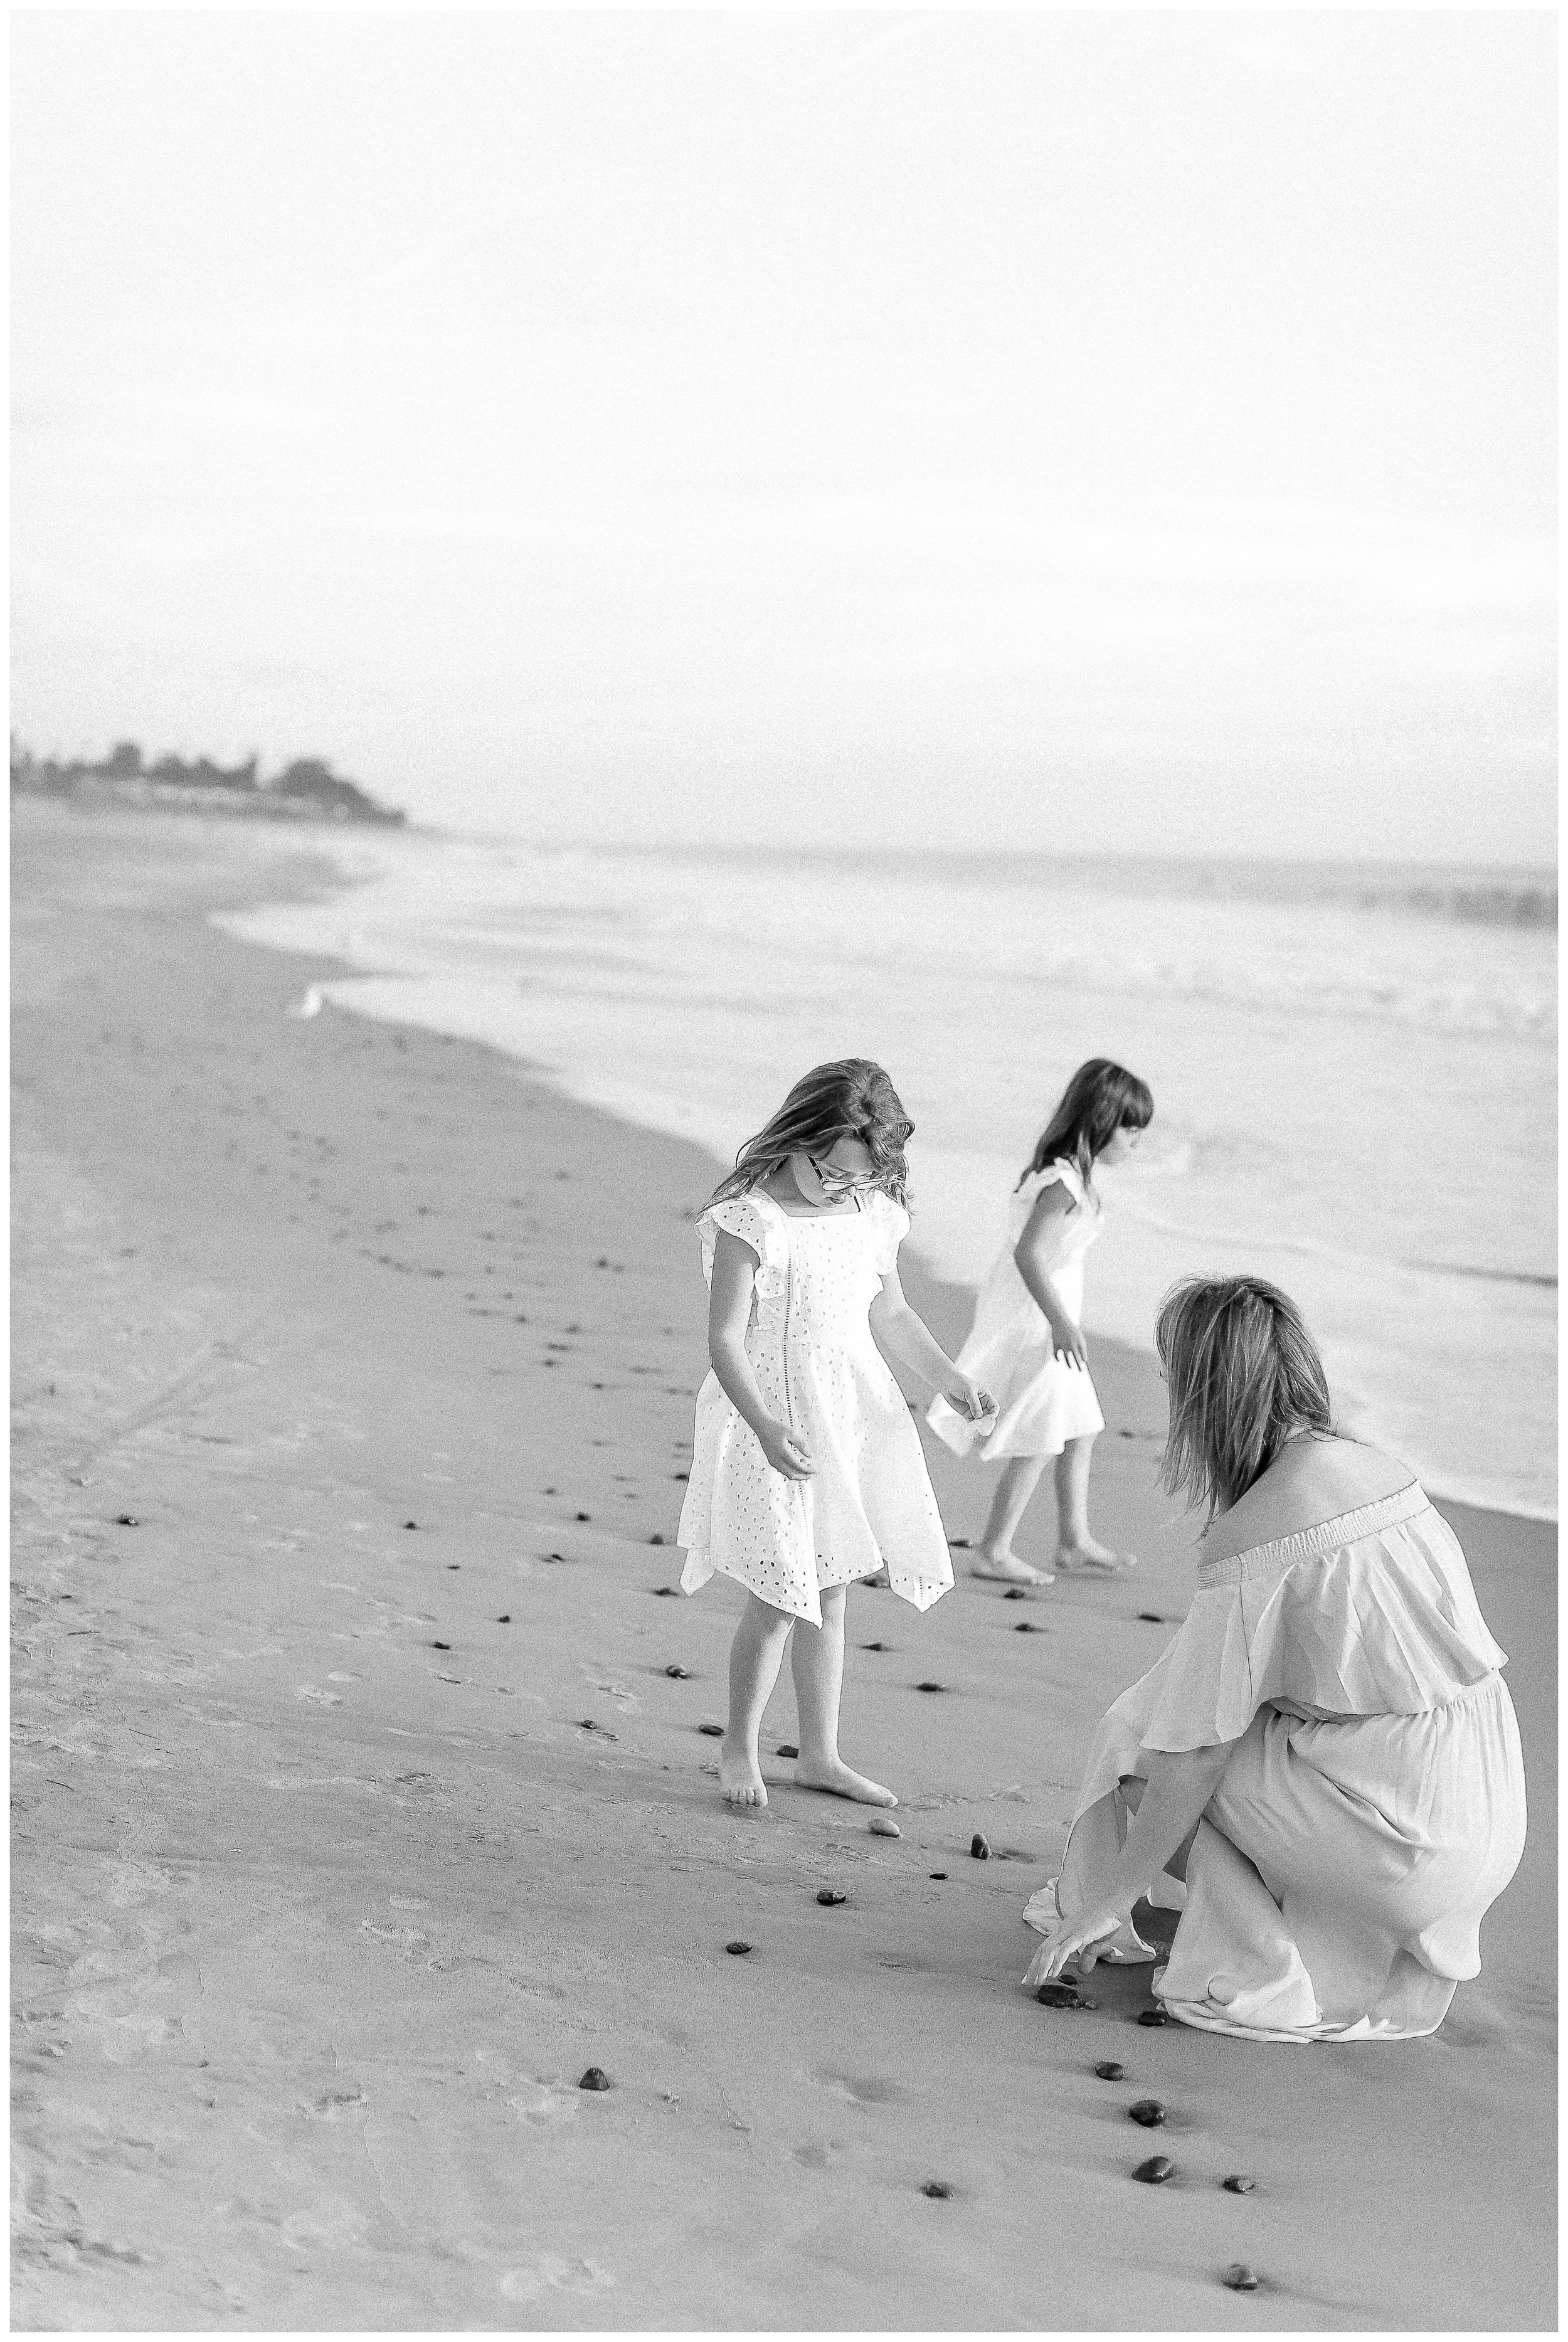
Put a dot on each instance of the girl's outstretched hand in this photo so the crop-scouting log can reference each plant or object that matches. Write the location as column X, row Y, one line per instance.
column 1069, row 1344
column 968, row 1399
column 1075, row 1940
column 785, row 1453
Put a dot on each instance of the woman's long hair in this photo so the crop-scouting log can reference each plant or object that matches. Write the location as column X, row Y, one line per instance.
column 1242, row 1374
column 849, row 1098
column 1101, row 1099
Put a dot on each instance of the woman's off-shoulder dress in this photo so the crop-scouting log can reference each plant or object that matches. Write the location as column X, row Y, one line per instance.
column 868, row 1503
column 1373, row 1806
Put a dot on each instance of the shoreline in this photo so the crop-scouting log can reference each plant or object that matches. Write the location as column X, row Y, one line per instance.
column 342, row 1847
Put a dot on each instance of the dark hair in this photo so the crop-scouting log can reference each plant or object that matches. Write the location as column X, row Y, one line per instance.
column 1242, row 1374
column 1101, row 1099
column 849, row 1098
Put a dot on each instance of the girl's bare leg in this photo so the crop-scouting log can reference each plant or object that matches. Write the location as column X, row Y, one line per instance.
column 1019, row 1478
column 1076, row 1549
column 755, row 1657
column 818, row 1666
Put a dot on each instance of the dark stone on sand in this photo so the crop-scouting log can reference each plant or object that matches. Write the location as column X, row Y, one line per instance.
column 586, row 1723
column 931, row 1687
column 874, row 1647
column 1153, row 2016
column 504, row 1619
column 658, row 1589
column 584, row 1516
column 1108, row 2070
column 126, row 1521
column 937, row 2188
column 411, row 1524
column 786, row 1748
column 1027, row 1626
column 561, row 1556
column 1159, row 2168
column 680, row 1475
column 1238, row 2184
column 1241, row 2278
column 939, row 1873
column 678, row 1675
column 712, row 1731
column 440, row 1646
column 656, row 1538
column 959, row 1545
column 1062, row 1992
column 595, row 2079
column 1016, row 1593
column 979, row 1850
column 1151, row 1618
column 1148, row 2113
column 737, row 1948
column 831, row 1895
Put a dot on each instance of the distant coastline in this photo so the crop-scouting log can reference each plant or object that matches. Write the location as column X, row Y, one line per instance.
column 305, row 790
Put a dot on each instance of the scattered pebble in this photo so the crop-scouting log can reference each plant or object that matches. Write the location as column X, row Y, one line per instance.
column 938, row 2188
column 440, row 1646
column 677, row 1675
column 1062, row 1992
column 1157, row 2168
column 1148, row 2113
column 737, row 1947
column 680, row 1475
column 129, row 1521
column 1016, row 1594
column 786, row 1748
column 1241, row 2278
column 959, row 1545
column 1108, row 2070
column 978, row 1846
column 411, row 1524
column 504, row 1619
column 595, row 2079
column 1238, row 2184
column 931, row 1687
column 874, row 1647
column 881, row 1827
column 712, row 1731
column 1027, row 1626
column 939, row 1873
column 658, row 1589
column 1151, row 1618
column 656, row 1538
column 1153, row 2016
column 831, row 1895
column 584, row 1516
column 561, row 1556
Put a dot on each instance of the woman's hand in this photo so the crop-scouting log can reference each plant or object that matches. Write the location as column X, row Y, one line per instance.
column 1072, row 1941
column 787, row 1454
column 1067, row 1341
column 968, row 1399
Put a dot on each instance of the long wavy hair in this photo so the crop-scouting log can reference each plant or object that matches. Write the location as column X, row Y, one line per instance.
column 848, row 1098
column 1101, row 1099
column 1242, row 1374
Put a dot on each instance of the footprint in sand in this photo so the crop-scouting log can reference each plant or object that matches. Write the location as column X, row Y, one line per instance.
column 859, row 2090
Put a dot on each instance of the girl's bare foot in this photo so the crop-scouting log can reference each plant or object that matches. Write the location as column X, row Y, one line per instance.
column 1086, row 1554
column 740, row 1782
column 834, row 1777
column 989, row 1563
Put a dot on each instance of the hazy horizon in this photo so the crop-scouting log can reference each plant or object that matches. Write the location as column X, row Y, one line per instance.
column 851, row 430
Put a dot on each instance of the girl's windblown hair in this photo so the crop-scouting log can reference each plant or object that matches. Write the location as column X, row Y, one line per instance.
column 849, row 1098
column 1102, row 1098
column 1242, row 1374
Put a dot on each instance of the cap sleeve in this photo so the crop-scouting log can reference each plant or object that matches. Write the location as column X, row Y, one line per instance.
column 755, row 1225
column 889, row 1226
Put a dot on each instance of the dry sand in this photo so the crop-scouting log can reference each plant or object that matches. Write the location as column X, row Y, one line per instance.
column 355, row 1814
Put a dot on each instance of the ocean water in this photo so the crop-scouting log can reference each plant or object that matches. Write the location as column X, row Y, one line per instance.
column 1354, row 1071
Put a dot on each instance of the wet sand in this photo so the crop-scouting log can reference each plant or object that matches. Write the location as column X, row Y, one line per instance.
column 355, row 1814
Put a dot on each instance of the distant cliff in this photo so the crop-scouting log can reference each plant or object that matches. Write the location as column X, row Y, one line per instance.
column 306, row 790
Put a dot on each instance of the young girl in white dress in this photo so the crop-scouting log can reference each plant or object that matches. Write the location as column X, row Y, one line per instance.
column 806, row 1470
column 1027, row 1339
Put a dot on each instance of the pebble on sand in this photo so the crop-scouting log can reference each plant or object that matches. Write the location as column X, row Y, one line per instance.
column 677, row 1675
column 939, row 1873
column 1153, row 2016
column 712, row 1731
column 831, row 1895
column 874, row 1647
column 1108, row 2070
column 936, row 2188
column 786, row 1748
column 583, row 1517
column 1241, row 2278
column 1062, row 1992
column 595, row 2079
column 1151, row 1618
column 656, row 1538
column 1027, row 1626
column 931, row 1687
column 1147, row 2112
column 959, row 1545
column 880, row 1826
column 979, row 1848
column 1016, row 1593
column 737, row 1948
column 1159, row 2168
column 411, row 1524
column 658, row 1589
column 504, row 1619
column 1238, row 2184
column 126, row 1521
column 440, row 1646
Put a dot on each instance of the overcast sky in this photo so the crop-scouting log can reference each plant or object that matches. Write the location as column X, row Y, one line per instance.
column 1075, row 429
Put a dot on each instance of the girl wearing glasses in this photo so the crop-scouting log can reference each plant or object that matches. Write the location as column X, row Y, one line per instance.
column 806, row 1469
column 1028, row 1338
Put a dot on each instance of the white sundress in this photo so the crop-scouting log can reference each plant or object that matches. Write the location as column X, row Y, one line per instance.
column 869, row 1505
column 1041, row 1403
column 1373, row 1808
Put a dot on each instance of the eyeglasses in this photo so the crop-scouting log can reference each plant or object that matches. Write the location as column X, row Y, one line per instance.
column 837, row 1182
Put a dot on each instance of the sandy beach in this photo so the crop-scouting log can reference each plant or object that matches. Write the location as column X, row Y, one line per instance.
column 356, row 1811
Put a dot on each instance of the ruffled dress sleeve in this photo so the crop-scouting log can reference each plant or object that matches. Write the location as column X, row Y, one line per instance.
column 889, row 1226
column 756, row 1225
